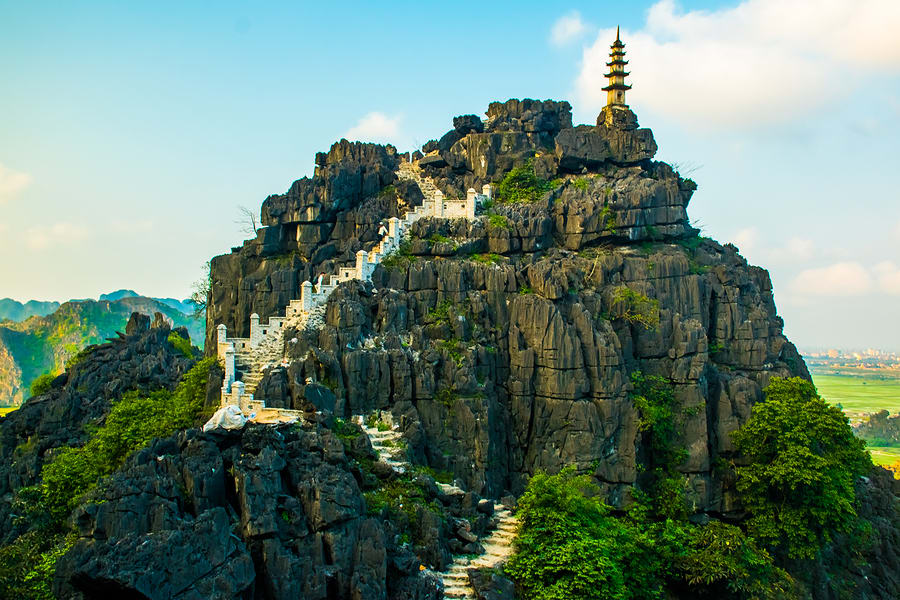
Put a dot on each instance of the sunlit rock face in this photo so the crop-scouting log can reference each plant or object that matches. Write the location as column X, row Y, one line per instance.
column 503, row 341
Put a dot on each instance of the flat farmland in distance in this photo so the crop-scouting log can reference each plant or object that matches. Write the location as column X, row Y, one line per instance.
column 884, row 455
column 5, row 410
column 858, row 395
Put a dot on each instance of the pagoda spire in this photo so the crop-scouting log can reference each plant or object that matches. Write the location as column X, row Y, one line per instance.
column 615, row 91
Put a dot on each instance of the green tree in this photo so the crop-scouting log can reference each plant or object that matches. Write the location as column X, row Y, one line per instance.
column 41, row 385
column 803, row 460
column 522, row 185
column 568, row 546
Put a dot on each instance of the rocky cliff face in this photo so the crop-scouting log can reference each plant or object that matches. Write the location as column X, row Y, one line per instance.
column 140, row 359
column 508, row 343
column 263, row 513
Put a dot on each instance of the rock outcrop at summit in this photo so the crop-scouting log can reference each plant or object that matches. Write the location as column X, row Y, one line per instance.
column 346, row 174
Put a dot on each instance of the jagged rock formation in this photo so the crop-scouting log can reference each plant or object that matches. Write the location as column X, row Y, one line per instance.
column 272, row 510
column 141, row 359
column 503, row 337
column 488, row 348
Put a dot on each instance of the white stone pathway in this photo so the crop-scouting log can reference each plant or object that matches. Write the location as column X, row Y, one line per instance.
column 249, row 357
column 386, row 439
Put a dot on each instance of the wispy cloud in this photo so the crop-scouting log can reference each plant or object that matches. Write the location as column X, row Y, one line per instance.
column 58, row 234
column 840, row 279
column 848, row 278
column 745, row 240
column 715, row 69
column 12, row 182
column 376, row 127
column 567, row 29
column 888, row 277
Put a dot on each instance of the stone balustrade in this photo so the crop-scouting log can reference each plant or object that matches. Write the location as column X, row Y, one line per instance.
column 313, row 295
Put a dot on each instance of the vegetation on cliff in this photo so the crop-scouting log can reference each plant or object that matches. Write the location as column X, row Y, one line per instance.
column 803, row 464
column 27, row 565
column 796, row 479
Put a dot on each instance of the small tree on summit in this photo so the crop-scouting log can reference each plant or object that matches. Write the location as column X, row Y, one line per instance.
column 804, row 459
column 200, row 294
column 247, row 220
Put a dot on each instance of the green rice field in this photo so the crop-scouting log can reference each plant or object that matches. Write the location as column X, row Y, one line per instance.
column 859, row 396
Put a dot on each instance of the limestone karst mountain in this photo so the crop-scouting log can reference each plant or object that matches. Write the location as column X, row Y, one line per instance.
column 508, row 339
column 451, row 357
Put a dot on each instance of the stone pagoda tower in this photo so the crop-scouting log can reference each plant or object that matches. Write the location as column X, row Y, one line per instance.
column 615, row 91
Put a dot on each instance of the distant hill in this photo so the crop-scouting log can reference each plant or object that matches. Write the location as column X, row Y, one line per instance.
column 14, row 310
column 118, row 295
column 44, row 343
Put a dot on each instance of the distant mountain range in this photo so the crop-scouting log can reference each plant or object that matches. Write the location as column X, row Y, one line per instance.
column 14, row 310
column 42, row 341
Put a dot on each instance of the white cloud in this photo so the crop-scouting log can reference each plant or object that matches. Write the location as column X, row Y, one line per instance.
column 567, row 29
column 760, row 62
column 840, row 279
column 796, row 249
column 888, row 275
column 12, row 182
column 39, row 238
column 745, row 240
column 375, row 127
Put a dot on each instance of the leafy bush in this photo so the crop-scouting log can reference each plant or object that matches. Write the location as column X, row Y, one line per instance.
column 27, row 565
column 567, row 545
column 79, row 357
column 522, row 185
column 721, row 559
column 132, row 423
column 488, row 258
column 440, row 314
column 658, row 410
column 41, row 385
column 400, row 258
column 496, row 221
column 183, row 345
column 635, row 307
column 388, row 191
column 803, row 461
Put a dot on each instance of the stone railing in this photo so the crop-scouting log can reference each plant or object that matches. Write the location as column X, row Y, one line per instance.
column 315, row 295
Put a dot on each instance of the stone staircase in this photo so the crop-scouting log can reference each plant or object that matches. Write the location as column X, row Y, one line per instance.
column 246, row 358
column 250, row 365
column 386, row 439
column 497, row 549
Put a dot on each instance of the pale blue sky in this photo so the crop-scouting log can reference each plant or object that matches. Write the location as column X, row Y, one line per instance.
column 129, row 134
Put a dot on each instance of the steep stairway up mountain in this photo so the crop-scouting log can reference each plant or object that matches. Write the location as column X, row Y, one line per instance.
column 250, row 357
column 387, row 440
column 497, row 549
